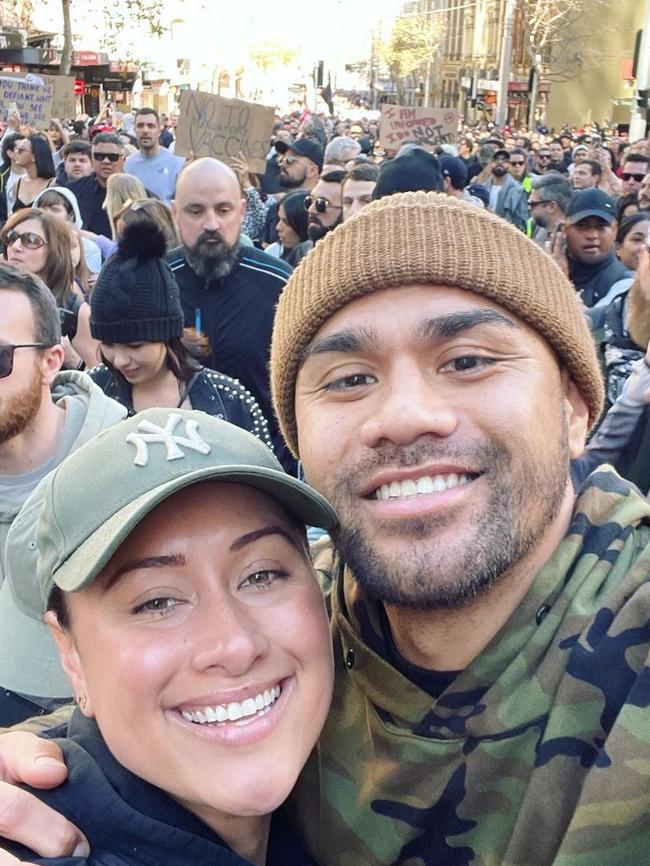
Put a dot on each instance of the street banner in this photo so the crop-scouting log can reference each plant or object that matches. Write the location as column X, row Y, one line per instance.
column 37, row 98
column 424, row 126
column 211, row 125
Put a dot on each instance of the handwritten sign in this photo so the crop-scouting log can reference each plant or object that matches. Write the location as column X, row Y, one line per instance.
column 425, row 126
column 38, row 98
column 213, row 126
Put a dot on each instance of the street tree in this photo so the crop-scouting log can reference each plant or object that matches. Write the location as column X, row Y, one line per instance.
column 412, row 48
column 560, row 38
column 272, row 54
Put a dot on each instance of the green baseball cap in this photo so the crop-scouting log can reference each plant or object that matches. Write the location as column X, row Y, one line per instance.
column 95, row 498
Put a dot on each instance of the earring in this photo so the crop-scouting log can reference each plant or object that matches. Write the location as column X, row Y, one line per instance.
column 81, row 702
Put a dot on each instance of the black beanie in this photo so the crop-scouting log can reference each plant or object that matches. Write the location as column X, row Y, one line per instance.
column 136, row 298
column 415, row 170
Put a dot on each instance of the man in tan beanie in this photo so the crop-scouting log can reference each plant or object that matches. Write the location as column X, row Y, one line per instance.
column 433, row 370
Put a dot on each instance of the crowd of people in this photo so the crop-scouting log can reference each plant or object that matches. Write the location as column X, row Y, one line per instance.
column 432, row 363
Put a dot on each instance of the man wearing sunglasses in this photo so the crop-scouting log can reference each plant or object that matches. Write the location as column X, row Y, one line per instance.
column 644, row 193
column 44, row 415
column 542, row 160
column 325, row 205
column 519, row 168
column 635, row 167
column 507, row 197
column 107, row 159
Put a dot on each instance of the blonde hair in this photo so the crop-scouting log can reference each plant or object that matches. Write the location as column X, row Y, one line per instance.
column 121, row 188
column 151, row 210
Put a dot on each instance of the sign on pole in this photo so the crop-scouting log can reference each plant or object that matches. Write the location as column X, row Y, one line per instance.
column 38, row 98
column 424, row 126
column 211, row 125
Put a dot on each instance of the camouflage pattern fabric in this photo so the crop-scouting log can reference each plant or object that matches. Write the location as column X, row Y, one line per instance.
column 537, row 754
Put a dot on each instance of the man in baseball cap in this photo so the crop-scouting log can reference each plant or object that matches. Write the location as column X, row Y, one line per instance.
column 66, row 532
column 592, row 262
column 301, row 163
column 507, row 197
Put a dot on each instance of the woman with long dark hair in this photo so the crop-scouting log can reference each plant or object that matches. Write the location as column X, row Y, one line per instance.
column 292, row 228
column 35, row 156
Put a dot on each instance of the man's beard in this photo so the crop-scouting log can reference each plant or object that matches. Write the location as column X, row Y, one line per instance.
column 499, row 171
column 292, row 182
column 541, row 220
column 316, row 230
column 447, row 575
column 17, row 412
column 211, row 258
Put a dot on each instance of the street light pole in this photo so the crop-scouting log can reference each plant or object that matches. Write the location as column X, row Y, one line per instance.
column 638, row 114
column 504, row 65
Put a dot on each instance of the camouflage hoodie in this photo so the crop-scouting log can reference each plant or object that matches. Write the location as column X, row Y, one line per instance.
column 537, row 754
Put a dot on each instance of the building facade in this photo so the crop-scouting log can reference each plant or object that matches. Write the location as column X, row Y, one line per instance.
column 592, row 83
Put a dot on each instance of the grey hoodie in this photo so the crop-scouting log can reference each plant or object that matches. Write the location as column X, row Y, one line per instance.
column 28, row 659
column 92, row 253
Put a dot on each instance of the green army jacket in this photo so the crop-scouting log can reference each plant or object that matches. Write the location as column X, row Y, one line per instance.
column 538, row 754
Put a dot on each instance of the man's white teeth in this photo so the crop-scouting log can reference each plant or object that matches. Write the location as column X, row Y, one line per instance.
column 416, row 486
column 234, row 711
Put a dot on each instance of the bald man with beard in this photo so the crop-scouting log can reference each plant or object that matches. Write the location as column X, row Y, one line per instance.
column 228, row 292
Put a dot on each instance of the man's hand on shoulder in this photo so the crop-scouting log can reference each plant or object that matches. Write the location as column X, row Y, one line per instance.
column 27, row 759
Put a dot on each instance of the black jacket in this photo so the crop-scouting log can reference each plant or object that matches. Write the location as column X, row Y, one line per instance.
column 236, row 314
column 129, row 822
column 594, row 281
column 209, row 391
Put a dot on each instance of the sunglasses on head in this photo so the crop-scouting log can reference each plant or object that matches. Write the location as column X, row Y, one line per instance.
column 30, row 240
column 628, row 175
column 102, row 157
column 7, row 356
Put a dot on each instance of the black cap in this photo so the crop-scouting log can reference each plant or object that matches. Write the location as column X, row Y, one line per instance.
column 415, row 170
column 136, row 297
column 307, row 147
column 455, row 169
column 501, row 151
column 588, row 203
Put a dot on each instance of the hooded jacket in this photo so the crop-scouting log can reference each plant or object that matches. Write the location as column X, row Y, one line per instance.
column 129, row 822
column 92, row 252
column 29, row 662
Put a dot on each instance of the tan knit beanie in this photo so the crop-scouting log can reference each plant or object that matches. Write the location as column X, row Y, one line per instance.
column 425, row 237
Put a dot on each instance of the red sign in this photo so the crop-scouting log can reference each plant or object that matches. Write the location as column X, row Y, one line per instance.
column 78, row 87
column 88, row 58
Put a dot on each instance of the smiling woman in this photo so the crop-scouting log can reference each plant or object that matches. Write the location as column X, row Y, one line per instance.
column 194, row 634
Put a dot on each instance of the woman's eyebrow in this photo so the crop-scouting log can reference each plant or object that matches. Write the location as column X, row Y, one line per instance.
column 250, row 537
column 145, row 562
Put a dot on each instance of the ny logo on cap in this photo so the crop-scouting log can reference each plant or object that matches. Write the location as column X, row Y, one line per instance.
column 149, row 433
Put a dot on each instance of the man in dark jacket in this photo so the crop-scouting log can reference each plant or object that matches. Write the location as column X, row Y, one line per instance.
column 593, row 267
column 228, row 292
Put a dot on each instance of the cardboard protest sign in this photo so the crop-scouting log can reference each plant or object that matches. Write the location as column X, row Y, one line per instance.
column 425, row 126
column 38, row 98
column 214, row 126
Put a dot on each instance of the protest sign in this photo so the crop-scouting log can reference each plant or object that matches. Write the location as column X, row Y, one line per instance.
column 425, row 126
column 214, row 126
column 38, row 98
